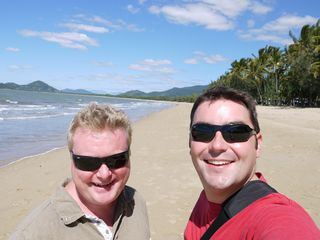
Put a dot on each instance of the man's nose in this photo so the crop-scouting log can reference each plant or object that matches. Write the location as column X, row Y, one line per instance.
column 103, row 171
column 218, row 144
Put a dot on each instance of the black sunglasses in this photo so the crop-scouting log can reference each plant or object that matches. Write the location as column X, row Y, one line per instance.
column 86, row 163
column 232, row 133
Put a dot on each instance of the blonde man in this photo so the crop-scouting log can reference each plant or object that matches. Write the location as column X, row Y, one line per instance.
column 95, row 203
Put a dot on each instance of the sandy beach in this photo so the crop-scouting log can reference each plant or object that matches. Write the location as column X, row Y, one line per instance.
column 163, row 172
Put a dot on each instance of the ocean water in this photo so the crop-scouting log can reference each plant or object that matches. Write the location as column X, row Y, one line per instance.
column 36, row 122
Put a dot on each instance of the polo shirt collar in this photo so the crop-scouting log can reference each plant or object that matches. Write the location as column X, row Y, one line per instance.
column 70, row 212
column 67, row 209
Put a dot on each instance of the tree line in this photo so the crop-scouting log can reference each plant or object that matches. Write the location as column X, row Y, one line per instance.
column 289, row 76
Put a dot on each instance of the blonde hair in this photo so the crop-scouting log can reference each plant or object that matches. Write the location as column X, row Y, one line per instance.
column 98, row 117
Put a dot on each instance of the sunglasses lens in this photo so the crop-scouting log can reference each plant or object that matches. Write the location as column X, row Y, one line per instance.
column 86, row 163
column 237, row 133
column 118, row 160
column 202, row 132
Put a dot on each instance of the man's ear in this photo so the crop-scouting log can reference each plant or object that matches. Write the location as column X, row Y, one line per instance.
column 258, row 144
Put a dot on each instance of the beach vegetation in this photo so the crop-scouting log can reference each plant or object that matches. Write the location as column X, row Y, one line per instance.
column 274, row 76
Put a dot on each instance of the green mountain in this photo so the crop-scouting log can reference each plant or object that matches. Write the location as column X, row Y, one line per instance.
column 173, row 92
column 34, row 86
column 79, row 91
column 133, row 93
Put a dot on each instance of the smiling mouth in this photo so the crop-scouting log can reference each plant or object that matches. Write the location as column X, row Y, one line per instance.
column 218, row 162
column 102, row 185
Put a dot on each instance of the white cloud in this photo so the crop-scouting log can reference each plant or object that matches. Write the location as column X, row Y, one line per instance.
column 199, row 14
column 152, row 62
column 199, row 57
column 132, row 9
column 191, row 61
column 151, row 65
column 287, row 22
column 250, row 23
column 139, row 67
column 211, row 14
column 116, row 25
column 141, row 1
column 84, row 27
column 12, row 49
column 277, row 31
column 259, row 8
column 65, row 39
column 15, row 67
column 76, row 39
column 228, row 8
column 103, row 64
column 97, row 19
column 212, row 59
column 134, row 28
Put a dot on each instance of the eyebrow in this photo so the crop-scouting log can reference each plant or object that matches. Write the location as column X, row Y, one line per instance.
column 237, row 122
column 113, row 155
column 228, row 123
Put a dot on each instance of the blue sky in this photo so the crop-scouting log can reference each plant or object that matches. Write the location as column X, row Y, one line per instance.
column 116, row 45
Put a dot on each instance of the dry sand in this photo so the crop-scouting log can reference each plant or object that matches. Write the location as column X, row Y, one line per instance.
column 162, row 170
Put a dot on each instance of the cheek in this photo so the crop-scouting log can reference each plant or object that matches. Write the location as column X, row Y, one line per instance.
column 122, row 173
column 245, row 151
column 80, row 176
column 196, row 148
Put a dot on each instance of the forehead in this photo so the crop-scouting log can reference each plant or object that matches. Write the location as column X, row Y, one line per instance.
column 222, row 111
column 109, row 137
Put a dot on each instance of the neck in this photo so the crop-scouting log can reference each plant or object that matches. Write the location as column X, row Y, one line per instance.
column 220, row 195
column 104, row 212
column 217, row 196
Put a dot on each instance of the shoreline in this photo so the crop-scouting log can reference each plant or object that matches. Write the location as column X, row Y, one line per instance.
column 29, row 148
column 10, row 162
column 163, row 173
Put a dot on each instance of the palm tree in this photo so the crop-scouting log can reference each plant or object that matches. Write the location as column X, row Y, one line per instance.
column 304, row 61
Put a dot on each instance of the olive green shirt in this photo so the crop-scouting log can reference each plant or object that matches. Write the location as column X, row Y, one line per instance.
column 60, row 217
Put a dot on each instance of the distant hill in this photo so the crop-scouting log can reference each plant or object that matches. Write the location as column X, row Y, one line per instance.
column 34, row 86
column 80, row 91
column 173, row 92
column 133, row 93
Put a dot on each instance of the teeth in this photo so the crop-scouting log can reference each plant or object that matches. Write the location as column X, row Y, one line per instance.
column 101, row 185
column 218, row 163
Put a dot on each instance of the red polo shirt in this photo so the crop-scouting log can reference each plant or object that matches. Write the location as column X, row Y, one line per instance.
column 272, row 217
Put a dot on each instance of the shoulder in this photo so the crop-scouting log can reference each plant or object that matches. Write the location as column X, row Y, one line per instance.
column 135, row 222
column 33, row 223
column 277, row 215
column 48, row 218
column 204, row 212
column 132, row 201
column 132, row 195
column 202, row 204
column 277, row 202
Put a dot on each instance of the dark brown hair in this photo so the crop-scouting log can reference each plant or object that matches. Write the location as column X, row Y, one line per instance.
column 231, row 94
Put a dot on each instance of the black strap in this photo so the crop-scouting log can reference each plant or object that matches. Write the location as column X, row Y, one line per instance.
column 250, row 192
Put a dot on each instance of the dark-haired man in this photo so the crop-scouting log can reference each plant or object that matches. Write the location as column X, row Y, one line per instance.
column 236, row 203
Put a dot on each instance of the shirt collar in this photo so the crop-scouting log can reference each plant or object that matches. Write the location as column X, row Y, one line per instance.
column 70, row 212
column 67, row 209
